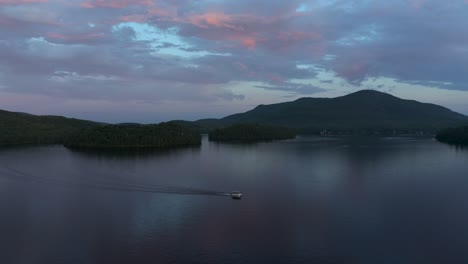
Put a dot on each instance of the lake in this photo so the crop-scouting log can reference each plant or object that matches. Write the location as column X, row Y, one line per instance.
column 307, row 200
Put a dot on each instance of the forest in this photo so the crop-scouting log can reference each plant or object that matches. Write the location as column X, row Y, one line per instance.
column 21, row 128
column 457, row 135
column 250, row 133
column 163, row 135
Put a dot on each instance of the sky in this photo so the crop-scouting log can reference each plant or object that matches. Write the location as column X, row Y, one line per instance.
column 157, row 60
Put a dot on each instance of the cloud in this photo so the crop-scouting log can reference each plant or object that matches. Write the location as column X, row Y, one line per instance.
column 21, row 2
column 226, row 95
column 417, row 3
column 64, row 77
column 294, row 88
column 124, row 51
column 115, row 3
column 85, row 38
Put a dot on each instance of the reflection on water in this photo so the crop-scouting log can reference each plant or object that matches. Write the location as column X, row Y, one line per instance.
column 308, row 200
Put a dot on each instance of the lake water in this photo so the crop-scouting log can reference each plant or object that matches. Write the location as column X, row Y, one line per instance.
column 308, row 200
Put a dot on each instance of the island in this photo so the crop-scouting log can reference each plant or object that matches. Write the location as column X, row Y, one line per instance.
column 250, row 133
column 457, row 136
column 128, row 136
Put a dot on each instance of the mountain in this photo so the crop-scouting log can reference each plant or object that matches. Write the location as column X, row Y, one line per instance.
column 365, row 111
column 21, row 128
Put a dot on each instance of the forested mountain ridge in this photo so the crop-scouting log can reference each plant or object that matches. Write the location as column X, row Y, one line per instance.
column 366, row 111
column 362, row 111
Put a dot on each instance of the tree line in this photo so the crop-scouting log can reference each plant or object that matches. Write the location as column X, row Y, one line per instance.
column 250, row 133
column 163, row 135
column 20, row 128
column 458, row 135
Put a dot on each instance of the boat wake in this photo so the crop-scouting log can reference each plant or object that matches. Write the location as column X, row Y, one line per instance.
column 15, row 174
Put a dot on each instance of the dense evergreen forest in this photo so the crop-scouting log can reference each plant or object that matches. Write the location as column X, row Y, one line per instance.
column 457, row 135
column 364, row 112
column 21, row 128
column 163, row 135
column 250, row 133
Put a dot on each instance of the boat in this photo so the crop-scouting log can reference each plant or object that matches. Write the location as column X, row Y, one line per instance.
column 236, row 195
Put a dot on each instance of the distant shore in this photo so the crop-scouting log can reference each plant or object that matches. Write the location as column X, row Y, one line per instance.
column 134, row 136
column 456, row 136
column 250, row 133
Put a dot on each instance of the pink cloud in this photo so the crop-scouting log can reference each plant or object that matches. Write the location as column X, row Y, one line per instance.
column 275, row 78
column 288, row 39
column 165, row 14
column 245, row 40
column 248, row 30
column 214, row 25
column 8, row 22
column 249, row 42
column 134, row 18
column 353, row 71
column 219, row 20
column 115, row 3
column 318, row 49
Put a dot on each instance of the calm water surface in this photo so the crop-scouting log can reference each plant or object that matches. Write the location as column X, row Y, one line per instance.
column 308, row 200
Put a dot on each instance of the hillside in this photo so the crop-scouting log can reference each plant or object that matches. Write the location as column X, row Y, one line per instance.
column 124, row 136
column 21, row 128
column 365, row 111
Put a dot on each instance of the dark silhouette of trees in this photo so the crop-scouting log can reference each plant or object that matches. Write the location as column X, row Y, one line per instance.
column 21, row 128
column 250, row 133
column 163, row 135
column 457, row 135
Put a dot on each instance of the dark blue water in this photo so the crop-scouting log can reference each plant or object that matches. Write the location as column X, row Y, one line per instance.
column 309, row 200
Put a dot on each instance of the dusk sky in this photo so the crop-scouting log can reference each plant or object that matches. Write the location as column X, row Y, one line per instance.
column 151, row 61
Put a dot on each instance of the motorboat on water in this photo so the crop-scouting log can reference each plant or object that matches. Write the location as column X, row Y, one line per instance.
column 236, row 195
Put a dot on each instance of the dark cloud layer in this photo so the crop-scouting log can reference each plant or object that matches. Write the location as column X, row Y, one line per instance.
column 160, row 51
